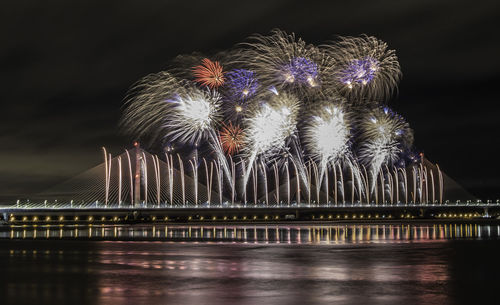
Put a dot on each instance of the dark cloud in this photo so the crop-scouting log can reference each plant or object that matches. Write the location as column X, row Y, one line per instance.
column 65, row 67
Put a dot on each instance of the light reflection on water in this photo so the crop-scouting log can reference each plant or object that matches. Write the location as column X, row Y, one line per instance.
column 273, row 264
column 296, row 234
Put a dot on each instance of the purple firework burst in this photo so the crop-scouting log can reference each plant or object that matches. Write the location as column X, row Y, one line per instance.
column 241, row 84
column 301, row 70
column 360, row 71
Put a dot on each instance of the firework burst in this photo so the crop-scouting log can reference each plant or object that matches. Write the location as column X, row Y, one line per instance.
column 385, row 137
column 365, row 69
column 146, row 109
column 209, row 73
column 231, row 138
column 240, row 88
column 327, row 134
column 301, row 70
column 283, row 61
column 241, row 84
column 254, row 110
column 194, row 115
column 270, row 126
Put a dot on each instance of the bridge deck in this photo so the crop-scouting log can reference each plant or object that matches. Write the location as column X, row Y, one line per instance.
column 248, row 213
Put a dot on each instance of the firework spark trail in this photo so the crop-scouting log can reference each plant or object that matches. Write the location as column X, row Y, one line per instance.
column 194, row 119
column 284, row 61
column 146, row 108
column 239, row 90
column 366, row 68
column 356, row 171
column 167, row 110
column 194, row 114
column 209, row 73
column 327, row 136
column 241, row 84
column 217, row 147
column 298, row 158
column 231, row 138
column 385, row 137
column 270, row 126
column 161, row 107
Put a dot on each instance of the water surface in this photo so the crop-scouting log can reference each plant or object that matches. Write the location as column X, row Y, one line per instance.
column 274, row 264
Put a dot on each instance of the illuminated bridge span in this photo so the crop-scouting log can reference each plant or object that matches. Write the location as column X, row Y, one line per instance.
column 137, row 179
column 250, row 213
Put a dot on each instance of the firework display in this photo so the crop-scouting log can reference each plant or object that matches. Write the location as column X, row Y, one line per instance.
column 365, row 69
column 283, row 61
column 209, row 73
column 327, row 135
column 231, row 138
column 275, row 105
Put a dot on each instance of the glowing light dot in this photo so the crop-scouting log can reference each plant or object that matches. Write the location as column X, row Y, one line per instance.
column 311, row 82
column 289, row 78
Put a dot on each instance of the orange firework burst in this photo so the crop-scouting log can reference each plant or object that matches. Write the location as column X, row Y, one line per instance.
column 209, row 73
column 231, row 138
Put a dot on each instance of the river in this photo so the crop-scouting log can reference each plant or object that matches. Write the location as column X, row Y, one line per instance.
column 251, row 264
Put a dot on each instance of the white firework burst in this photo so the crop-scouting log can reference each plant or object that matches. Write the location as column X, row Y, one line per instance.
column 194, row 116
column 270, row 126
column 327, row 134
column 385, row 136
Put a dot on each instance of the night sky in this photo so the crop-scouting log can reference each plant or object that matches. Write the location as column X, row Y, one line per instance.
column 66, row 66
